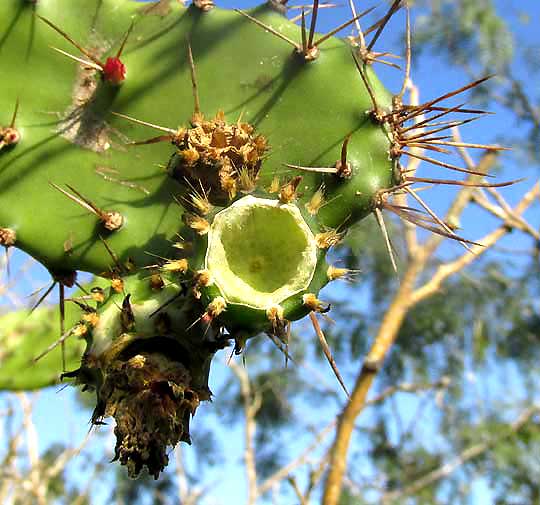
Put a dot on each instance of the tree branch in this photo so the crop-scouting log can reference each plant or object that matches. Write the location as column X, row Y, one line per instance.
column 385, row 337
column 284, row 471
column 251, row 407
column 448, row 269
column 504, row 213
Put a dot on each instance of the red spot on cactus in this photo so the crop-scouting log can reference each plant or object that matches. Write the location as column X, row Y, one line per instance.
column 114, row 71
column 12, row 137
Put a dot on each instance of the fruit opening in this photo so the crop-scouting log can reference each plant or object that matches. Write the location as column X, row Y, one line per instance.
column 260, row 252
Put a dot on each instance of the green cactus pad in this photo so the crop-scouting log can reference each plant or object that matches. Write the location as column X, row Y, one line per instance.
column 24, row 337
column 69, row 136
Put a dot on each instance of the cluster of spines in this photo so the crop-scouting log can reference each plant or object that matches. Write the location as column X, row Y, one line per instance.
column 10, row 136
column 405, row 138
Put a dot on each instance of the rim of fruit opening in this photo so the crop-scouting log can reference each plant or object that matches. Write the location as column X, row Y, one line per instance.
column 260, row 252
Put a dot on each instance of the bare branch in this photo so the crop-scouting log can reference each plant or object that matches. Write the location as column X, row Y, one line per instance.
column 252, row 404
column 505, row 213
column 407, row 387
column 392, row 322
column 470, row 453
column 453, row 267
column 285, row 470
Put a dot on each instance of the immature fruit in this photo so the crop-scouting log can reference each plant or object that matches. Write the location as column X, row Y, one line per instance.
column 261, row 255
column 149, row 370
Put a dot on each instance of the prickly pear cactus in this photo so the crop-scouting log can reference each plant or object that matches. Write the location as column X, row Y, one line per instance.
column 272, row 140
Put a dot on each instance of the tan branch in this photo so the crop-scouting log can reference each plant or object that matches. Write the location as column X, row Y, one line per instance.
column 292, row 481
column 406, row 387
column 504, row 213
column 188, row 495
column 9, row 474
column 386, row 335
column 181, row 478
column 453, row 267
column 388, row 331
column 252, row 404
column 63, row 459
column 34, row 483
column 84, row 496
column 286, row 470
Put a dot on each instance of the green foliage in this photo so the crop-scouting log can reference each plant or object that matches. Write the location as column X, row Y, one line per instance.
column 468, row 27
